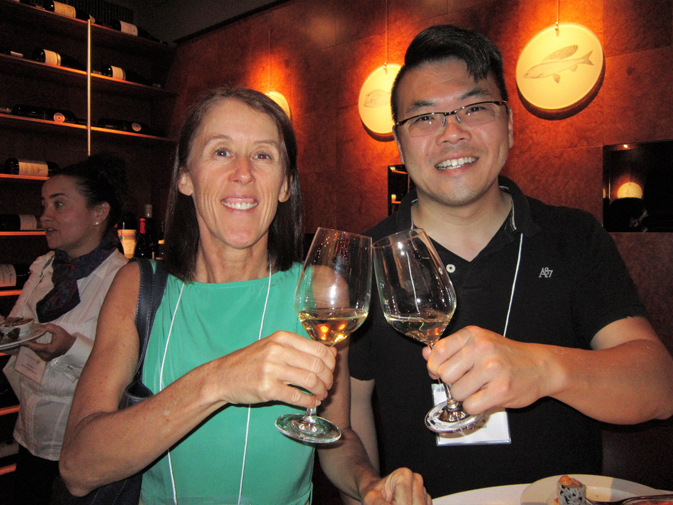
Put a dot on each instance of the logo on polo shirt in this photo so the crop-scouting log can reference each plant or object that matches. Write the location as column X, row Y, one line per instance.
column 545, row 272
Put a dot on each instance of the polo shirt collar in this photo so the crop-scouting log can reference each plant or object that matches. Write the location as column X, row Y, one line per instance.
column 520, row 218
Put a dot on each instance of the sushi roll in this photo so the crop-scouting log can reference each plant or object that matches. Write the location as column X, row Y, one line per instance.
column 571, row 491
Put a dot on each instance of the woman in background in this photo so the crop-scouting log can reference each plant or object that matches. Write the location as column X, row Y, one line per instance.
column 81, row 204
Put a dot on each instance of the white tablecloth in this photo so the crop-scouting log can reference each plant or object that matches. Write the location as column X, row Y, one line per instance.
column 501, row 495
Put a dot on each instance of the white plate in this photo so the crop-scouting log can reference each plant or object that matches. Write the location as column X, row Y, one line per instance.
column 543, row 492
column 501, row 495
column 35, row 332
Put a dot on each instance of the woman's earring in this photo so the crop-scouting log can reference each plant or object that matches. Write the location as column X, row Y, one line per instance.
column 97, row 223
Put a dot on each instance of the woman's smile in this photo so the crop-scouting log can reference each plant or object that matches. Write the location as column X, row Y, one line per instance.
column 240, row 203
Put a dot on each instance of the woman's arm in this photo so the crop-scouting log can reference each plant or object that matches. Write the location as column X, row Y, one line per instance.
column 346, row 462
column 258, row 373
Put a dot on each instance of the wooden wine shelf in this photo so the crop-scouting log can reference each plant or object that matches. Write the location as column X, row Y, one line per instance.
column 23, row 177
column 7, row 469
column 76, row 28
column 71, row 129
column 9, row 410
column 15, row 12
column 42, row 125
column 23, row 67
column 35, row 233
column 139, row 136
column 12, row 292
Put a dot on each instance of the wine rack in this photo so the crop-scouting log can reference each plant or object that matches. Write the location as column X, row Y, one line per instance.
column 90, row 96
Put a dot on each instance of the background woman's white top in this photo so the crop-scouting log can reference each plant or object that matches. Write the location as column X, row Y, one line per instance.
column 45, row 407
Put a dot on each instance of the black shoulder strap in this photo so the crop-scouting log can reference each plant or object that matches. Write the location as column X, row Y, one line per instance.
column 150, row 293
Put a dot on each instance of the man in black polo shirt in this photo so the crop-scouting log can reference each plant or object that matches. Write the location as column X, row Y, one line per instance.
column 548, row 324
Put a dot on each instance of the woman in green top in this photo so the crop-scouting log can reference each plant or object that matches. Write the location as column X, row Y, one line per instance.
column 227, row 354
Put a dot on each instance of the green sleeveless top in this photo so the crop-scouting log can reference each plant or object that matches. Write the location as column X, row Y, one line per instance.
column 213, row 320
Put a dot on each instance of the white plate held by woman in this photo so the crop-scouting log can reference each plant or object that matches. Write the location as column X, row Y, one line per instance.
column 543, row 492
column 35, row 331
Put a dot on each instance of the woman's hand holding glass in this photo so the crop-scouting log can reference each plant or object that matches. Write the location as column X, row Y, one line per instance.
column 266, row 371
column 331, row 301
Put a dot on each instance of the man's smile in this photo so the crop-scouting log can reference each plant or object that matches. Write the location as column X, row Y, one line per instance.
column 455, row 163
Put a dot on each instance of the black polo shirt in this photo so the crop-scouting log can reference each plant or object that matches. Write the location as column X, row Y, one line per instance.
column 568, row 281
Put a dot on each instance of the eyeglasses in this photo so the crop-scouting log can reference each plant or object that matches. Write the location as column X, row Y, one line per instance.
column 474, row 114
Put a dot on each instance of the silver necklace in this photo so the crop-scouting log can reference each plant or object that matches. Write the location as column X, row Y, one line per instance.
column 161, row 379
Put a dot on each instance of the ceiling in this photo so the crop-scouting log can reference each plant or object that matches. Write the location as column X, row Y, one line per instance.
column 175, row 20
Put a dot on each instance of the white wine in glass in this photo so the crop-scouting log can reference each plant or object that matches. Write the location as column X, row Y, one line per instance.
column 331, row 326
column 418, row 300
column 331, row 301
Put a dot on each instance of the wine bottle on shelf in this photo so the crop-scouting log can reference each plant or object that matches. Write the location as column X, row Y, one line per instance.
column 123, row 125
column 67, row 10
column 124, row 75
column 9, row 52
column 131, row 29
column 160, row 251
column 39, row 168
column 151, row 228
column 33, row 111
column 127, row 232
column 57, row 59
column 18, row 222
column 143, row 245
column 13, row 276
column 120, row 247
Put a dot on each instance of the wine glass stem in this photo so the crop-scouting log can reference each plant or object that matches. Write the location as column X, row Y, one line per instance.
column 451, row 404
column 453, row 411
column 310, row 415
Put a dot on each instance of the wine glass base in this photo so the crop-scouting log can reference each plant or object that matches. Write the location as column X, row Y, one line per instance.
column 434, row 421
column 315, row 430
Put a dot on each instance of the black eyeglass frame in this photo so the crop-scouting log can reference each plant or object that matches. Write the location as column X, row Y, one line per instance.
column 452, row 113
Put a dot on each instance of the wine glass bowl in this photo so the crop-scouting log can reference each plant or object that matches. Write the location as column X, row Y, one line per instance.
column 418, row 300
column 331, row 301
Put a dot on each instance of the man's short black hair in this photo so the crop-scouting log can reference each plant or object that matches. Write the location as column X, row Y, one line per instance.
column 448, row 42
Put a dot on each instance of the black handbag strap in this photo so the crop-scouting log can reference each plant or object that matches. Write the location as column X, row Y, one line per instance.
column 150, row 293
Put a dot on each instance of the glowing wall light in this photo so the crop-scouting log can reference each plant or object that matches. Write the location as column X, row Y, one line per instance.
column 281, row 101
column 374, row 100
column 559, row 67
column 630, row 190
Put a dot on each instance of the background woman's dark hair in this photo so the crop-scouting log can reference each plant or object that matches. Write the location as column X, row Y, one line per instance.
column 445, row 42
column 101, row 178
column 182, row 230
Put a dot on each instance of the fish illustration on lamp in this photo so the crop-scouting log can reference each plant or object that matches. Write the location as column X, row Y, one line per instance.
column 374, row 100
column 558, row 62
column 550, row 75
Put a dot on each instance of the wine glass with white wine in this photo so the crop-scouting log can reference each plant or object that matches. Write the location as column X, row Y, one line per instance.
column 332, row 301
column 418, row 300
